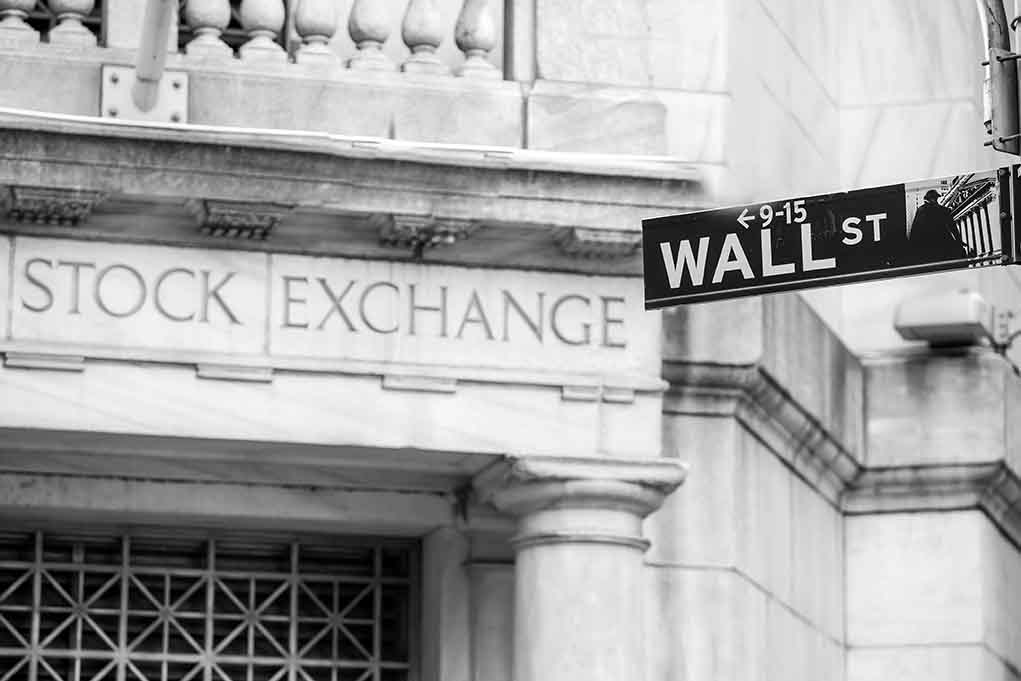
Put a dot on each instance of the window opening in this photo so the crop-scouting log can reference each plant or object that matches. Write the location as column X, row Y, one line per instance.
column 174, row 608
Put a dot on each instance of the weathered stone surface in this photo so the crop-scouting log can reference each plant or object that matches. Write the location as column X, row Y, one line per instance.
column 640, row 43
column 793, row 346
column 80, row 95
column 379, row 105
column 768, row 524
column 810, row 361
column 1001, row 580
column 123, row 21
column 899, row 39
column 5, row 294
column 927, row 663
column 917, row 407
column 716, row 624
column 915, row 579
column 492, row 597
column 585, row 118
column 314, row 408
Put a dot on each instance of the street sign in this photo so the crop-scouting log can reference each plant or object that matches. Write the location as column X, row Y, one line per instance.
column 882, row 232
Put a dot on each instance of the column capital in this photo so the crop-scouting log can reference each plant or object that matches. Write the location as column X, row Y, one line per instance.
column 524, row 485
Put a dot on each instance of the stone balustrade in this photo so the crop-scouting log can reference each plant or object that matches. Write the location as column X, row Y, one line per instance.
column 433, row 37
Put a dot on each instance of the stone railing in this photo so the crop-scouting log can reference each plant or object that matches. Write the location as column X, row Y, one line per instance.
column 436, row 37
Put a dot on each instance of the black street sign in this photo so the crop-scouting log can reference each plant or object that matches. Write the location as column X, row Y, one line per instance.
column 896, row 230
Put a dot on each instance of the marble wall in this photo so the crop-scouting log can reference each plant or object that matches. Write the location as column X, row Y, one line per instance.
column 744, row 577
column 925, row 598
column 910, row 107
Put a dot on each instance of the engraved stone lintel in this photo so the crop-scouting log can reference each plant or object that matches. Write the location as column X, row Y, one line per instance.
column 51, row 205
column 38, row 360
column 229, row 372
column 429, row 384
column 237, row 219
column 597, row 243
column 424, row 231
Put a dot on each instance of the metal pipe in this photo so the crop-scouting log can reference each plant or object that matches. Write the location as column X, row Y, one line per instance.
column 152, row 52
column 1000, row 87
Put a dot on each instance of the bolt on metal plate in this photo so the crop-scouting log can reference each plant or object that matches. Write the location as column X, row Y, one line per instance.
column 115, row 99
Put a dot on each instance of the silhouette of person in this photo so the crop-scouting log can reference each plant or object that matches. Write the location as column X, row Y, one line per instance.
column 934, row 236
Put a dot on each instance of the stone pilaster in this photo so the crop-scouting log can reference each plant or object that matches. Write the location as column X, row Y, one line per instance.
column 578, row 568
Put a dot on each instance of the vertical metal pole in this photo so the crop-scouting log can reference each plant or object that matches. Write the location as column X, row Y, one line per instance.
column 1001, row 77
column 152, row 52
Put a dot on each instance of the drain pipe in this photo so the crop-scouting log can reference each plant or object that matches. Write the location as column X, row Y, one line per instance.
column 1001, row 83
column 152, row 52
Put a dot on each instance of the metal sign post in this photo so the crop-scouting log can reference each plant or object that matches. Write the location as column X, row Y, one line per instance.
column 883, row 232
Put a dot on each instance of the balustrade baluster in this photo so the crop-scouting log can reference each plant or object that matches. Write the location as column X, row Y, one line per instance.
column 475, row 35
column 369, row 27
column 316, row 22
column 422, row 33
column 207, row 19
column 71, row 30
column 13, row 28
column 263, row 20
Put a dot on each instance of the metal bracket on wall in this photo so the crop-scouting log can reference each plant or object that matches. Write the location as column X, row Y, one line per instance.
column 116, row 100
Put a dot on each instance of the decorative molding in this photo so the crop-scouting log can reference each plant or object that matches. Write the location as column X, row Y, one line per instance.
column 992, row 487
column 618, row 395
column 578, row 500
column 584, row 242
column 747, row 393
column 661, row 474
column 919, row 488
column 229, row 372
column 419, row 232
column 580, row 393
column 237, row 219
column 51, row 205
column 428, row 384
column 38, row 360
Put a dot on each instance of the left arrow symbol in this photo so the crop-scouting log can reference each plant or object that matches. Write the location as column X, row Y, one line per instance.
column 744, row 218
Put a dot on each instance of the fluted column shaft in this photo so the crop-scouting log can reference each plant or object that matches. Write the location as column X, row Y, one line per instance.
column 578, row 571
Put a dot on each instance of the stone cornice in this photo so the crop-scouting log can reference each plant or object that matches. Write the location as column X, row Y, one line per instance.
column 616, row 166
column 992, row 487
column 517, row 200
column 746, row 392
column 749, row 394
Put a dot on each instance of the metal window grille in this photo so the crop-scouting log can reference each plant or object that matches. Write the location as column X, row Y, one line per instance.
column 43, row 19
column 171, row 608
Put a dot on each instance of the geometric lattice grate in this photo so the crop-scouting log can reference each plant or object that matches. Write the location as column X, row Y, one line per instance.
column 169, row 608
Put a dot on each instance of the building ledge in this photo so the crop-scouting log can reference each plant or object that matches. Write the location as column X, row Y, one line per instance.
column 339, row 195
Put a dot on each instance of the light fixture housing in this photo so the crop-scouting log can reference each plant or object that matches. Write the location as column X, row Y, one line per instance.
column 961, row 317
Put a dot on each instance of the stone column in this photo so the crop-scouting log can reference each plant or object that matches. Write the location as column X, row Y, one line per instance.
column 579, row 561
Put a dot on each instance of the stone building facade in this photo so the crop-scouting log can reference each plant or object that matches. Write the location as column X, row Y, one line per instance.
column 336, row 367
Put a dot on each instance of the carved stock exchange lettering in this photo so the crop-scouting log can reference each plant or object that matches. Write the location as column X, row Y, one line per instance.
column 385, row 307
column 310, row 304
column 120, row 290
